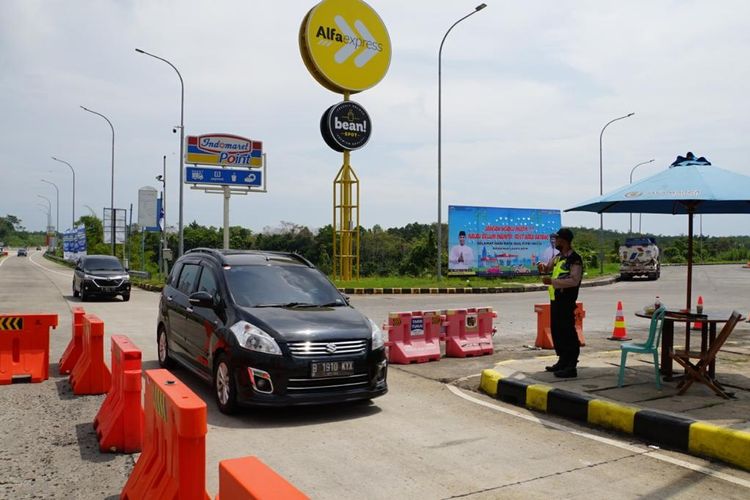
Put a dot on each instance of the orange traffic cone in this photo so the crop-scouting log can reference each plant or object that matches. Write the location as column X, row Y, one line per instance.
column 699, row 325
column 619, row 333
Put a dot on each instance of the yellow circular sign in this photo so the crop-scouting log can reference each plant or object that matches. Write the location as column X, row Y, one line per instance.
column 345, row 45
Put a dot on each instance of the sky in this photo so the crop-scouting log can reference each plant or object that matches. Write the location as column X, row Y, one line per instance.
column 526, row 89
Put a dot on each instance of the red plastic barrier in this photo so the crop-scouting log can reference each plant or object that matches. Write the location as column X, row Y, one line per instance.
column 90, row 375
column 24, row 346
column 468, row 332
column 544, row 331
column 119, row 423
column 413, row 337
column 75, row 346
column 248, row 478
column 173, row 462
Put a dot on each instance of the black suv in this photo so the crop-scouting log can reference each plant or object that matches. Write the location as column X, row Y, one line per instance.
column 267, row 329
column 100, row 276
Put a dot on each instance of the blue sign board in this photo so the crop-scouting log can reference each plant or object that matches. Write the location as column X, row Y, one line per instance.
column 497, row 241
column 223, row 176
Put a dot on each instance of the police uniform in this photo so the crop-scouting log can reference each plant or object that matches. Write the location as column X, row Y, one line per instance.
column 562, row 308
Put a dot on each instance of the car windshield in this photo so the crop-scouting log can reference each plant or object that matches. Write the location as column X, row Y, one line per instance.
column 281, row 286
column 102, row 264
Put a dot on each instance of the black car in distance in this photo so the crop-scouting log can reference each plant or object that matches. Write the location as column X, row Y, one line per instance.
column 100, row 276
column 267, row 329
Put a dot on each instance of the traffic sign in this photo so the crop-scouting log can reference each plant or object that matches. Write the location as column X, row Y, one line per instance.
column 223, row 176
column 345, row 45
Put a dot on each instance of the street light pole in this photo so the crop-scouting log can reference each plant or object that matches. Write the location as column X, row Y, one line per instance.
column 440, row 134
column 112, row 188
column 49, row 215
column 181, row 245
column 73, row 223
column 57, row 209
column 631, row 181
column 601, row 192
column 163, row 179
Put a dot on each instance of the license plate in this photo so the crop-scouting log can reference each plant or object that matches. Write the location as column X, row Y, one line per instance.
column 331, row 369
column 108, row 289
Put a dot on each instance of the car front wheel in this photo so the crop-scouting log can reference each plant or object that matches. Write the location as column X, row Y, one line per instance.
column 75, row 292
column 224, row 388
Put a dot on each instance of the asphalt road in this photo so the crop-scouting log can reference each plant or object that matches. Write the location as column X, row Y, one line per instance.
column 429, row 437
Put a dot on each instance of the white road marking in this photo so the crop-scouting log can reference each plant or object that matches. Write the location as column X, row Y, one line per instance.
column 48, row 270
column 634, row 449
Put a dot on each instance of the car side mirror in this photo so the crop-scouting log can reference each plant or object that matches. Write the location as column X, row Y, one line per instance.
column 203, row 299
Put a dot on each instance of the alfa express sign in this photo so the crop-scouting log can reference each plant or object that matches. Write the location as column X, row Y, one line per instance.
column 223, row 149
column 345, row 45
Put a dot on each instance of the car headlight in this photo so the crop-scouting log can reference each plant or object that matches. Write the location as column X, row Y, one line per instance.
column 89, row 277
column 378, row 338
column 253, row 338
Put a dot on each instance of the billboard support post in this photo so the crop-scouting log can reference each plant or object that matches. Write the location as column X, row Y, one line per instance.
column 227, row 195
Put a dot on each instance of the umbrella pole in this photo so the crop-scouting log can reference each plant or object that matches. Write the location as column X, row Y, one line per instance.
column 690, row 259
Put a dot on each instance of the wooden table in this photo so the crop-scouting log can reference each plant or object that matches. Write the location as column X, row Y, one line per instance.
column 708, row 334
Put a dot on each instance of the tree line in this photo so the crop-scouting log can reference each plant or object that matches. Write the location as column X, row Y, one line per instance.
column 409, row 250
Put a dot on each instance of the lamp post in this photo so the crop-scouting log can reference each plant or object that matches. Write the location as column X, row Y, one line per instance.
column 181, row 244
column 163, row 179
column 73, row 223
column 631, row 181
column 440, row 134
column 601, row 192
column 112, row 188
column 49, row 215
column 57, row 205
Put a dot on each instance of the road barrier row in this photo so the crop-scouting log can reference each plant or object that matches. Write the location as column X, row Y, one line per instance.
column 24, row 347
column 173, row 462
column 414, row 337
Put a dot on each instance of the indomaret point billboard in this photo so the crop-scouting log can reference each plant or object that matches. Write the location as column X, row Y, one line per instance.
column 493, row 241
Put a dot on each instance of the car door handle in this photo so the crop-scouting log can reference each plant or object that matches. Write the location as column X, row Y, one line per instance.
column 189, row 309
column 169, row 298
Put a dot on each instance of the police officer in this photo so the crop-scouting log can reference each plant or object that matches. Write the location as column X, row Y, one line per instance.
column 566, row 271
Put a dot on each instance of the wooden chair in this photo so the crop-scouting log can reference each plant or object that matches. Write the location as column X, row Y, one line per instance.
column 698, row 371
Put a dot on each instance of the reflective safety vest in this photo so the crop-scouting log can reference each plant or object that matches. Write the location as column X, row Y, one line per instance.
column 557, row 271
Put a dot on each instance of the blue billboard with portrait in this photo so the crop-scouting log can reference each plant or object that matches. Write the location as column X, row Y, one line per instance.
column 497, row 241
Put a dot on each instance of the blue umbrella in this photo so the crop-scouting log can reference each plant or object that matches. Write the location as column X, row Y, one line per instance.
column 689, row 186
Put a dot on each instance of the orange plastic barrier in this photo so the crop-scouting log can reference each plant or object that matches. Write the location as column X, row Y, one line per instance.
column 248, row 478
column 413, row 337
column 75, row 346
column 24, row 346
column 468, row 332
column 119, row 423
column 90, row 375
column 173, row 462
column 544, row 331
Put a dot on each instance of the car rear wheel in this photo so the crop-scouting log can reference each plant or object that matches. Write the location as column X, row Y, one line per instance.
column 163, row 349
column 224, row 388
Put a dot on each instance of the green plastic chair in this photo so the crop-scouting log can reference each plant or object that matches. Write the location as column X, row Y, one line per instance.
column 650, row 346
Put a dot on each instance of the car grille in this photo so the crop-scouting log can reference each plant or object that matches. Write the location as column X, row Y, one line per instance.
column 107, row 283
column 316, row 349
column 301, row 385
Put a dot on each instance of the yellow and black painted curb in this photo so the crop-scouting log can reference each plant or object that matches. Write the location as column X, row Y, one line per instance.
column 655, row 427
